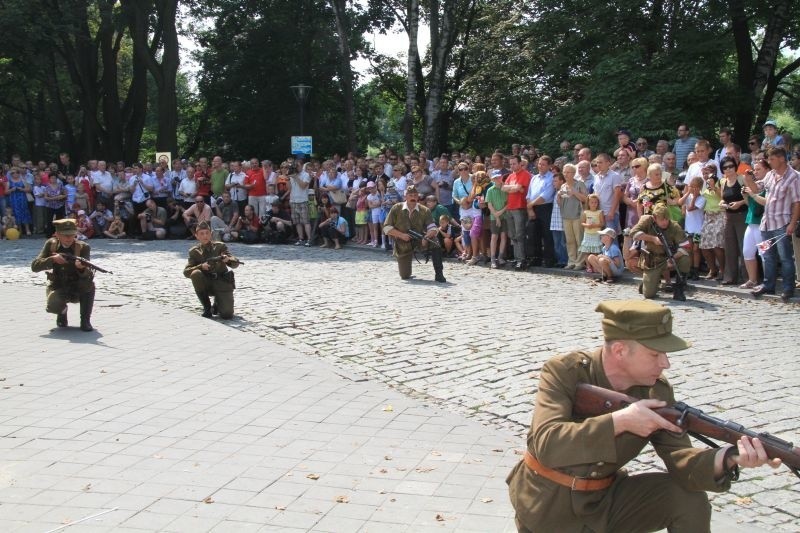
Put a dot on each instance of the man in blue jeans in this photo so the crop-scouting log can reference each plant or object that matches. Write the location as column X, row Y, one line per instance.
column 781, row 213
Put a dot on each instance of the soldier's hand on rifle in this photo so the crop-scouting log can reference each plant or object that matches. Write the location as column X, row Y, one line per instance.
column 640, row 419
column 205, row 266
column 58, row 259
column 405, row 237
column 752, row 454
column 79, row 265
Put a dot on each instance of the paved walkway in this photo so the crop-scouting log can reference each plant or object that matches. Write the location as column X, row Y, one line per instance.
column 163, row 421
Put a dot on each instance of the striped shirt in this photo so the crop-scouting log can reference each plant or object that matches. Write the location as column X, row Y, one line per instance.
column 782, row 192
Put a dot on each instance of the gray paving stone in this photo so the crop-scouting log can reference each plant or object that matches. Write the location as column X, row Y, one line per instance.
column 238, row 425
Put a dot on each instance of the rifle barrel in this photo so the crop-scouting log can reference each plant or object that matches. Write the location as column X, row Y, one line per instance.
column 591, row 400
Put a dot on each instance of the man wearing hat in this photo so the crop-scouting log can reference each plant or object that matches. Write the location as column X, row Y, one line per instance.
column 411, row 215
column 571, row 477
column 70, row 282
column 211, row 278
column 653, row 259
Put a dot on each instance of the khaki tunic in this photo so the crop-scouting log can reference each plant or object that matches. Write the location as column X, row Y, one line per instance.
column 67, row 283
column 587, row 448
column 211, row 282
column 654, row 263
column 401, row 219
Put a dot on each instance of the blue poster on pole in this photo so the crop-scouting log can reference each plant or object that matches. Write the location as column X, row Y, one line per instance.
column 301, row 145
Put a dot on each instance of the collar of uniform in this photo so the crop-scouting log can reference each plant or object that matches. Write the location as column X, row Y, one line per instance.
column 597, row 371
column 405, row 207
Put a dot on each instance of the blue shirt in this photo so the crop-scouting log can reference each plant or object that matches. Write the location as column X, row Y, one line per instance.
column 542, row 186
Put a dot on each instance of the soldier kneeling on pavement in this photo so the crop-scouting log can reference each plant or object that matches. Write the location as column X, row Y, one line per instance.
column 411, row 215
column 653, row 259
column 70, row 281
column 208, row 269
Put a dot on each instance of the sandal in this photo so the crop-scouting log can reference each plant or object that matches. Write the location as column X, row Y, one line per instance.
column 747, row 285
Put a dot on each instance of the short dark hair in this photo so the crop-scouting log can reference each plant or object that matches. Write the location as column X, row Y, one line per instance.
column 777, row 150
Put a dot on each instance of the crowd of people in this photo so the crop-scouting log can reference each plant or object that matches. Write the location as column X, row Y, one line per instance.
column 522, row 209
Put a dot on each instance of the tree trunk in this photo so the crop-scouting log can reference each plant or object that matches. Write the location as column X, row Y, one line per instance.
column 345, row 71
column 443, row 36
column 754, row 77
column 112, row 115
column 746, row 103
column 412, row 28
column 164, row 73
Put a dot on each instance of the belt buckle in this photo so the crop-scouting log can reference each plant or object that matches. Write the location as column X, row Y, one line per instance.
column 574, row 481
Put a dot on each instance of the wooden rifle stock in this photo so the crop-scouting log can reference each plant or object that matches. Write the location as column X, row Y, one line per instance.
column 591, row 400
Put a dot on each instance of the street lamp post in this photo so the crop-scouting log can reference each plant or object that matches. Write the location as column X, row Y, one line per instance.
column 301, row 95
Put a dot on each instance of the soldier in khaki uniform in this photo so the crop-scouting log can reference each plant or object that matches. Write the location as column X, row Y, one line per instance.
column 70, row 282
column 572, row 478
column 410, row 214
column 211, row 278
column 652, row 261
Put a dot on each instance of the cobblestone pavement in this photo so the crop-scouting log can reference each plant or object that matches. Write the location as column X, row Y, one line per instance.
column 476, row 344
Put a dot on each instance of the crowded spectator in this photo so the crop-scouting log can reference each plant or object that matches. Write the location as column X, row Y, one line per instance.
column 571, row 198
column 592, row 220
column 683, row 145
column 735, row 207
column 557, row 225
column 693, row 204
column 771, row 137
column 101, row 218
column 712, row 237
column 608, row 188
column 496, row 201
column 256, row 185
column 752, row 233
column 608, row 263
column 779, row 221
column 540, row 210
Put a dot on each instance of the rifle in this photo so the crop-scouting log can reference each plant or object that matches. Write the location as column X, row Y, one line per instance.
column 591, row 400
column 88, row 264
column 417, row 236
column 680, row 282
column 212, row 260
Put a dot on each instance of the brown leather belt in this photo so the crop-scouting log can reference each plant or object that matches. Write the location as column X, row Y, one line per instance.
column 565, row 480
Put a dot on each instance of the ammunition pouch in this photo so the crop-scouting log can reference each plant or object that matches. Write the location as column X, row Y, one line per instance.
column 228, row 277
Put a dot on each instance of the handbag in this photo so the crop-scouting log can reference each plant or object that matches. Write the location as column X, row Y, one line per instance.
column 338, row 197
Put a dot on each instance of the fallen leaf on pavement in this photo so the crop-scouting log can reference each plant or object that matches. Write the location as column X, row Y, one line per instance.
column 744, row 501
column 424, row 469
column 313, row 476
column 342, row 499
column 486, row 500
column 280, row 507
column 388, row 408
column 87, row 488
column 208, row 499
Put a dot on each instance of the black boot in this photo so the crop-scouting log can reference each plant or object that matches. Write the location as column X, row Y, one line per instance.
column 61, row 318
column 214, row 310
column 678, row 292
column 206, row 301
column 87, row 304
column 438, row 267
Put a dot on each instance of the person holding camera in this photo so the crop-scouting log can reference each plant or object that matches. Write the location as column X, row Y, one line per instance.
column 208, row 268
column 141, row 188
column 152, row 221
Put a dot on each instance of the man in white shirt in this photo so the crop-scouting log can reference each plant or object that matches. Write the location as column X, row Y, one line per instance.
column 103, row 183
column 608, row 186
column 298, row 201
column 234, row 184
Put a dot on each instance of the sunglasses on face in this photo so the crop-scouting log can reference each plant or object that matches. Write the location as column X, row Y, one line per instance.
column 728, row 167
column 636, row 166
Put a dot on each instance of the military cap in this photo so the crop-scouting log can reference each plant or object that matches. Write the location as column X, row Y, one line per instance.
column 412, row 189
column 203, row 225
column 661, row 211
column 65, row 226
column 647, row 323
